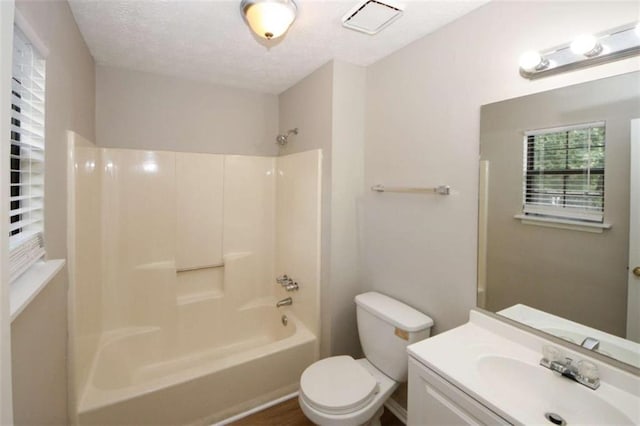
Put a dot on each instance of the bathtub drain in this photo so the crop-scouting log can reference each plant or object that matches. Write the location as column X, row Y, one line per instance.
column 285, row 320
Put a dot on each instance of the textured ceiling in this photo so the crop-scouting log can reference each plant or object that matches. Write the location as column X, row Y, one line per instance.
column 208, row 40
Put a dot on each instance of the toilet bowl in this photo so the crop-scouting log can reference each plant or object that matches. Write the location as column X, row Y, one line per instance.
column 342, row 391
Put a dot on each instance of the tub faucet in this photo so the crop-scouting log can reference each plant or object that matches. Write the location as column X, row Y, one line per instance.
column 284, row 302
column 590, row 343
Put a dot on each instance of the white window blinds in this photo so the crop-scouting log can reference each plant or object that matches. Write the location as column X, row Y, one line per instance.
column 26, row 211
column 564, row 172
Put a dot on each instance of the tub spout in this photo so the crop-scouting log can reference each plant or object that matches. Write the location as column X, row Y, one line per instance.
column 284, row 302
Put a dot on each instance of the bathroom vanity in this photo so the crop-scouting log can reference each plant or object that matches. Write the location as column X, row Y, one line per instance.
column 489, row 372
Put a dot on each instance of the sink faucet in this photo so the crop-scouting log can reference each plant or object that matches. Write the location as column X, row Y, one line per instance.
column 284, row 302
column 590, row 343
column 584, row 372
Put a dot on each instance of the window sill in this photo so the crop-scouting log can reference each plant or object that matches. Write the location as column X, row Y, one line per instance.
column 28, row 285
column 574, row 225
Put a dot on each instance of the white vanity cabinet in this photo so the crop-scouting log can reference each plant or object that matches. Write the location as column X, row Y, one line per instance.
column 434, row 401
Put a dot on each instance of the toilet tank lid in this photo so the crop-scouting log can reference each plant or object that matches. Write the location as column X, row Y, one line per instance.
column 393, row 311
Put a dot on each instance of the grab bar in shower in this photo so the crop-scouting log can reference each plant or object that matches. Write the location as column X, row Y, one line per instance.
column 440, row 190
column 195, row 268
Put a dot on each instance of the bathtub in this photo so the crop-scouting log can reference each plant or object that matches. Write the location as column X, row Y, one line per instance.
column 147, row 375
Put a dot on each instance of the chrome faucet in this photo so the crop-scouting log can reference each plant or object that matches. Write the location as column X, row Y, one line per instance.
column 284, row 302
column 583, row 371
column 287, row 283
column 590, row 343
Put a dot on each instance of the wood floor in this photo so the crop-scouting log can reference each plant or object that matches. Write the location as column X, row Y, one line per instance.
column 288, row 413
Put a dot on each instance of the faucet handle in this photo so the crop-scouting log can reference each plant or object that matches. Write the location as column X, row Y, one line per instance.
column 282, row 279
column 553, row 353
column 588, row 370
column 291, row 286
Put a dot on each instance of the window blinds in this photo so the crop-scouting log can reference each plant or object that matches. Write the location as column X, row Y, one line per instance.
column 564, row 172
column 26, row 212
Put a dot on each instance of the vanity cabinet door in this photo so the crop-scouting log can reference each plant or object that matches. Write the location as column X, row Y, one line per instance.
column 434, row 401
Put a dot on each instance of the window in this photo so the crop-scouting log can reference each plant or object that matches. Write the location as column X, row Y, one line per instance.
column 26, row 210
column 564, row 172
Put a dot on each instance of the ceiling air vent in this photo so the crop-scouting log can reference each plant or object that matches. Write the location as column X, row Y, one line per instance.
column 371, row 16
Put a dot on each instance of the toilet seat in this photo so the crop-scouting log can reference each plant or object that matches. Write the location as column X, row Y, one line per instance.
column 337, row 385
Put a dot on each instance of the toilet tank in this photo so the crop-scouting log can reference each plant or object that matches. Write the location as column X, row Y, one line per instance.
column 386, row 326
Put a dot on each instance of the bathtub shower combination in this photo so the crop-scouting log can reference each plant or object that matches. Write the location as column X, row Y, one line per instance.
column 173, row 259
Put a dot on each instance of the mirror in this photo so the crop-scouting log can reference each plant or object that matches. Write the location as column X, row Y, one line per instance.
column 546, row 266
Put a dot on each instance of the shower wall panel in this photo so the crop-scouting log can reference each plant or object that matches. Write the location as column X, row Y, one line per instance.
column 249, row 224
column 298, row 228
column 199, row 182
column 85, row 256
column 139, row 198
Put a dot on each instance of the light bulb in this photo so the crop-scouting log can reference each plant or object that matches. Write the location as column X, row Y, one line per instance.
column 269, row 19
column 586, row 45
column 532, row 61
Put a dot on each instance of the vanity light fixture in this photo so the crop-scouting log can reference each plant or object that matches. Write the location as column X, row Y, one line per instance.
column 586, row 45
column 533, row 61
column 269, row 18
column 586, row 50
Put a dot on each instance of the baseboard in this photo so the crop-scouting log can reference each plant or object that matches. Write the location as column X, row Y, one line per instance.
column 256, row 409
column 398, row 410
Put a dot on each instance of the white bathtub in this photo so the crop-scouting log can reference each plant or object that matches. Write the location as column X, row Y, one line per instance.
column 147, row 375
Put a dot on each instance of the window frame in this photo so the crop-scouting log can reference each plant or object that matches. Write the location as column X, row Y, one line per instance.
column 566, row 211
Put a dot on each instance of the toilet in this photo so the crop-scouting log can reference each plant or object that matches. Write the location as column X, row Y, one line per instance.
column 342, row 391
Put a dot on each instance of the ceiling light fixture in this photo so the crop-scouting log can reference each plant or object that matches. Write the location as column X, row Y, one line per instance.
column 584, row 51
column 269, row 18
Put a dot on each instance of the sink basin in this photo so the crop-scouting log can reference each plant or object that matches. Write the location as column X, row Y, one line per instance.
column 537, row 390
column 497, row 365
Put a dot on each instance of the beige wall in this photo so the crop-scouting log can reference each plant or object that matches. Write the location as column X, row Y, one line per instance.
column 545, row 267
column 328, row 109
column 39, row 336
column 422, row 127
column 69, row 106
column 307, row 106
column 148, row 111
column 347, row 180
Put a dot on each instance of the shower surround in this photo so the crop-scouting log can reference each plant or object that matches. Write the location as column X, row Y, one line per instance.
column 172, row 263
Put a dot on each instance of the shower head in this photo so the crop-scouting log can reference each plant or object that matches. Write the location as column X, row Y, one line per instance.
column 282, row 139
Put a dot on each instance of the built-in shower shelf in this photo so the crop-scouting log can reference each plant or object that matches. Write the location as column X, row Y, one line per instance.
column 187, row 299
column 197, row 268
